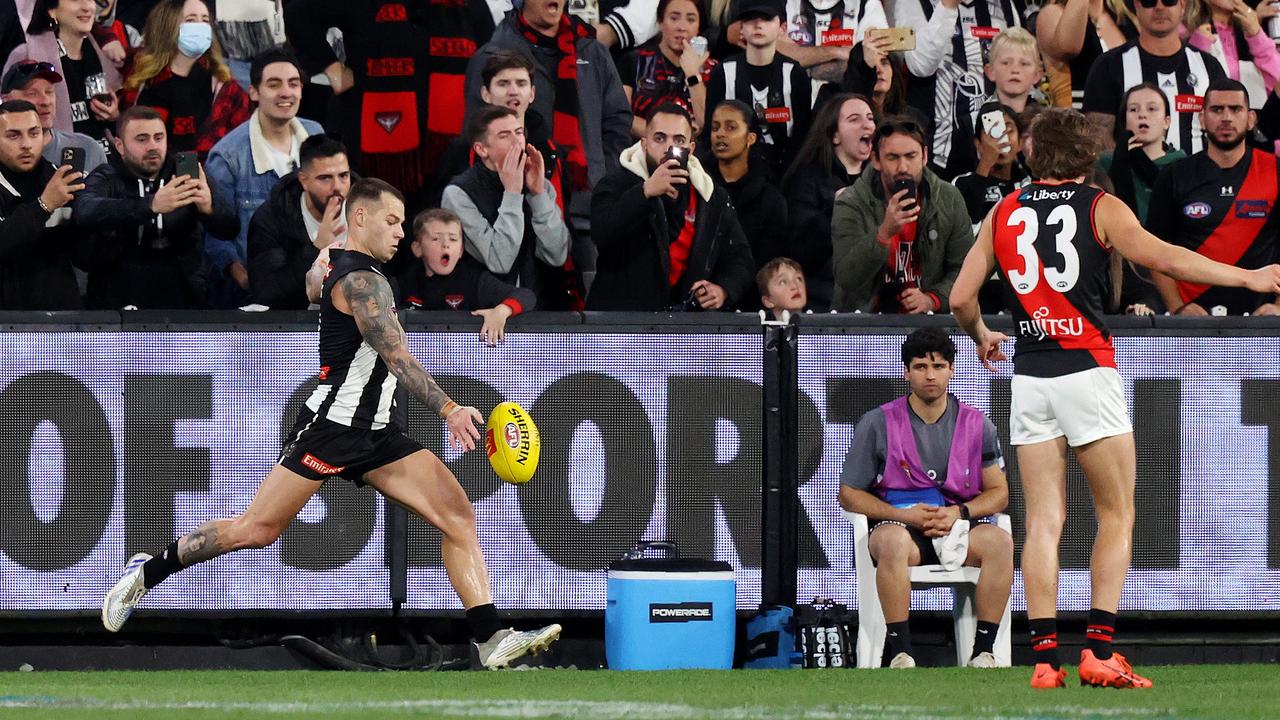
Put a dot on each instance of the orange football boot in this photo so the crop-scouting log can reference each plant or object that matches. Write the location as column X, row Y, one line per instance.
column 1114, row 672
column 1045, row 677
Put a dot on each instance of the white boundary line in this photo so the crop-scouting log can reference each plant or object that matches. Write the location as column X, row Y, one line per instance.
column 597, row 710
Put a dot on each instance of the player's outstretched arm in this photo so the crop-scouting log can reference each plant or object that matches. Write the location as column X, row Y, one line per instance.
column 964, row 296
column 368, row 295
column 1119, row 227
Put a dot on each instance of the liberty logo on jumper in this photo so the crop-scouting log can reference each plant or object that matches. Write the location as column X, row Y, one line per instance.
column 680, row 612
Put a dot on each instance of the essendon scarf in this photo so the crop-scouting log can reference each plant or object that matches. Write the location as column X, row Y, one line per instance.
column 411, row 79
column 564, row 126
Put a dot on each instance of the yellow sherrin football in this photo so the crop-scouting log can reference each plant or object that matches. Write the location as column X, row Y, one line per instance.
column 512, row 443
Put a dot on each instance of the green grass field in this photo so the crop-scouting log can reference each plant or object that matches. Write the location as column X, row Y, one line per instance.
column 1203, row 691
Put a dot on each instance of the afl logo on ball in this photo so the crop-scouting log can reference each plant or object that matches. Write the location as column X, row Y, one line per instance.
column 1197, row 210
column 512, row 434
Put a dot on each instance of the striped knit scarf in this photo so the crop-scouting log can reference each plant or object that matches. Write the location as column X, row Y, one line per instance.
column 565, row 130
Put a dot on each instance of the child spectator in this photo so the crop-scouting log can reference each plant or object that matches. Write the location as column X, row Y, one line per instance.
column 781, row 285
column 448, row 281
column 1014, row 67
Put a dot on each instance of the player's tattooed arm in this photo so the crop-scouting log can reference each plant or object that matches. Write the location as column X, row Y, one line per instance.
column 372, row 305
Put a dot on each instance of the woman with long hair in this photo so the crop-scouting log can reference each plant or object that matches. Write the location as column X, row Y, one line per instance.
column 1073, row 33
column 1133, row 168
column 668, row 68
column 762, row 211
column 180, row 71
column 881, row 76
column 1231, row 31
column 60, row 33
column 833, row 156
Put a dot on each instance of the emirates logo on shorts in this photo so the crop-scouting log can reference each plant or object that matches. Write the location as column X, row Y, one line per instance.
column 321, row 466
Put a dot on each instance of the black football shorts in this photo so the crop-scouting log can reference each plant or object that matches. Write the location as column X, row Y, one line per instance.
column 319, row 449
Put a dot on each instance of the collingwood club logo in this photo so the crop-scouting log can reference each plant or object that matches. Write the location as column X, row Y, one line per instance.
column 680, row 612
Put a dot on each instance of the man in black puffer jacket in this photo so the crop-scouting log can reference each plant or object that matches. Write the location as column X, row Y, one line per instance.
column 143, row 223
column 36, row 239
column 668, row 237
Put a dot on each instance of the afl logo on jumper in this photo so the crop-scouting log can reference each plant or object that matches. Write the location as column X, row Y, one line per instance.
column 679, row 612
column 1197, row 210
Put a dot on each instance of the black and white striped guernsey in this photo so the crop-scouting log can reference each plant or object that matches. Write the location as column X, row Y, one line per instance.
column 356, row 388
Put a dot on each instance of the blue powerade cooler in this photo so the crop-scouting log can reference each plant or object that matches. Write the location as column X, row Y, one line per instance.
column 669, row 613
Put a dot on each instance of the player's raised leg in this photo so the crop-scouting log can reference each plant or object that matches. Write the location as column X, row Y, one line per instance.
column 1110, row 465
column 426, row 487
column 278, row 500
column 1042, row 467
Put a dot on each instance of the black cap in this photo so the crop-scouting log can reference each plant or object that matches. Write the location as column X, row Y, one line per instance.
column 766, row 9
column 26, row 71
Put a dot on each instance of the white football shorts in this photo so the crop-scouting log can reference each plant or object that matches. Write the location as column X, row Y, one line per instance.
column 1083, row 406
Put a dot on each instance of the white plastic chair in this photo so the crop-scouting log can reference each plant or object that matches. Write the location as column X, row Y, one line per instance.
column 963, row 584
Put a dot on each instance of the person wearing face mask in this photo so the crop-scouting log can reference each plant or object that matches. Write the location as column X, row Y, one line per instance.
column 60, row 33
column 762, row 211
column 834, row 154
column 182, row 74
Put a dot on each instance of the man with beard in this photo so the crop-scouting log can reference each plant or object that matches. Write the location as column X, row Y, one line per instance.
column 302, row 216
column 1220, row 203
column 36, row 244
column 1159, row 55
column 668, row 237
column 900, row 234
column 147, row 248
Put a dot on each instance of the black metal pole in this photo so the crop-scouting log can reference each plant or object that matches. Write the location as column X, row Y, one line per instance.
column 778, row 501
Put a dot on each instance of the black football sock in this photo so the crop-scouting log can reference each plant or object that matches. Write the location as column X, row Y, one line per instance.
column 1102, row 626
column 897, row 638
column 985, row 639
column 161, row 566
column 1044, row 641
column 484, row 621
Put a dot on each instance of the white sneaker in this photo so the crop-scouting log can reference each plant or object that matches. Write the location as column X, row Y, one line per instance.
column 902, row 661
column 119, row 603
column 508, row 644
column 983, row 660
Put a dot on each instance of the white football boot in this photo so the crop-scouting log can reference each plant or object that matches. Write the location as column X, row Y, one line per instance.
column 119, row 603
column 902, row 661
column 508, row 644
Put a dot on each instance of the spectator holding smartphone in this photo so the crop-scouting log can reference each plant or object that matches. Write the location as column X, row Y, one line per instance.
column 668, row 237
column 1000, row 170
column 144, row 219
column 60, row 33
column 901, row 233
column 36, row 241
column 34, row 81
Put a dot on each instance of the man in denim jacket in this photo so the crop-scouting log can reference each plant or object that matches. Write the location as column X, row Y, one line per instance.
column 247, row 163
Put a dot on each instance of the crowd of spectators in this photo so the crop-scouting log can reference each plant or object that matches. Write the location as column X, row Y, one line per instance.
column 645, row 155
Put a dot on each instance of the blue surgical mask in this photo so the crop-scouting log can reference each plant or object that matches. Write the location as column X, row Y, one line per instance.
column 194, row 38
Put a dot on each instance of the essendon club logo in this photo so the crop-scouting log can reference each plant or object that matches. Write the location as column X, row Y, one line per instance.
column 453, row 47
column 393, row 12
column 321, row 466
column 455, row 301
column 777, row 115
column 388, row 120
column 390, row 67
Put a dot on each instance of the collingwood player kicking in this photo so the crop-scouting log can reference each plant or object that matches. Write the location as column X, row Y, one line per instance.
column 1050, row 243
column 346, row 429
